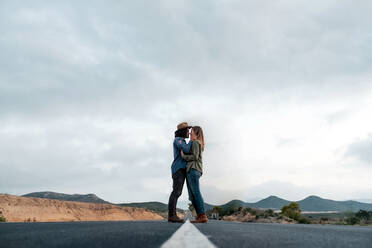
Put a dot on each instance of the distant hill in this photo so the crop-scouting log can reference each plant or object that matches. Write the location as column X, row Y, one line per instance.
column 234, row 204
column 315, row 203
column 208, row 206
column 271, row 202
column 154, row 206
column 311, row 203
column 26, row 209
column 66, row 197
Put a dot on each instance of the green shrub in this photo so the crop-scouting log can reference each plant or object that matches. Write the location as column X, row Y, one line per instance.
column 292, row 211
column 351, row 218
column 2, row 218
column 364, row 215
column 253, row 211
column 191, row 207
column 218, row 209
column 270, row 212
column 304, row 220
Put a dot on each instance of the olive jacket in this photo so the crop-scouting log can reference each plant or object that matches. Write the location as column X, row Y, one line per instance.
column 194, row 160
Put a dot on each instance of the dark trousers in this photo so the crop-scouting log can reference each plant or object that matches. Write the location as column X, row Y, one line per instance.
column 178, row 181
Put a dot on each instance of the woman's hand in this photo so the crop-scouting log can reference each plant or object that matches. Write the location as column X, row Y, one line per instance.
column 182, row 154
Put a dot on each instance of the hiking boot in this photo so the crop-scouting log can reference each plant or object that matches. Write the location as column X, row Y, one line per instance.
column 201, row 218
column 175, row 219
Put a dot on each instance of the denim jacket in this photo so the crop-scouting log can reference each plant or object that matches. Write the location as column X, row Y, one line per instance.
column 178, row 145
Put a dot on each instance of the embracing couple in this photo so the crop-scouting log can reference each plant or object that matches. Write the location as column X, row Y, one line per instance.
column 187, row 164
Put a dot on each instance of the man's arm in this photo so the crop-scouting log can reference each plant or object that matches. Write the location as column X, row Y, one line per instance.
column 181, row 144
column 194, row 154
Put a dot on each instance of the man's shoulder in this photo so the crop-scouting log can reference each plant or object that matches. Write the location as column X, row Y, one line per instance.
column 179, row 140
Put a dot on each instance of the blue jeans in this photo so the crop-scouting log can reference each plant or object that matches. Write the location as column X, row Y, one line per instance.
column 192, row 180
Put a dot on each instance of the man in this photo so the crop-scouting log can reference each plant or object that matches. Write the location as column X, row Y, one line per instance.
column 178, row 169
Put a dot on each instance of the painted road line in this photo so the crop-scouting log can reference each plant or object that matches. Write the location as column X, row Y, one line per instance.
column 188, row 236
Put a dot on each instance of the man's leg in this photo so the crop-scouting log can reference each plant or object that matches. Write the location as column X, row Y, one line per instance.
column 178, row 181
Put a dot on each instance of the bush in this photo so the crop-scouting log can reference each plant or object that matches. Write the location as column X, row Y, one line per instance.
column 351, row 218
column 270, row 212
column 2, row 218
column 191, row 207
column 253, row 211
column 230, row 210
column 304, row 220
column 218, row 209
column 364, row 215
column 292, row 211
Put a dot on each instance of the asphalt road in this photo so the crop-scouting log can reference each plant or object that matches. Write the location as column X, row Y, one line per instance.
column 155, row 233
column 233, row 234
column 86, row 234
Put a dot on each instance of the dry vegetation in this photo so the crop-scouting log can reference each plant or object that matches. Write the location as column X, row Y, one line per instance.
column 22, row 209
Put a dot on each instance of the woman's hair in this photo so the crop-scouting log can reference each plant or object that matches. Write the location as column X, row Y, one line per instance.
column 199, row 134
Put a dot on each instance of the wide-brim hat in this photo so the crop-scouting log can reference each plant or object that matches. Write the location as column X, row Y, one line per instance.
column 183, row 125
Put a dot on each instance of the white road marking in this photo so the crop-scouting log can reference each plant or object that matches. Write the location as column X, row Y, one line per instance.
column 188, row 236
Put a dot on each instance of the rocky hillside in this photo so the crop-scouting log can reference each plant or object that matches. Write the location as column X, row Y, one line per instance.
column 20, row 209
column 66, row 197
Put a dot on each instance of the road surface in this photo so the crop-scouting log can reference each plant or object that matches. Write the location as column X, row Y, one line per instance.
column 161, row 233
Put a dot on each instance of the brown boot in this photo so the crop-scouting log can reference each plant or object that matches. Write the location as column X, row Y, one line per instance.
column 204, row 218
column 196, row 218
column 175, row 219
column 201, row 218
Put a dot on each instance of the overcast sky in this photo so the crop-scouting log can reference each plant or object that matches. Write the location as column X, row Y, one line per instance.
column 91, row 93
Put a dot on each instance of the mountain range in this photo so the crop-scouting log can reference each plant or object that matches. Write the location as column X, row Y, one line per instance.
column 309, row 204
column 154, row 206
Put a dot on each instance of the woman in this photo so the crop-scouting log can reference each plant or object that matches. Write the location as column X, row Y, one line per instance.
column 194, row 170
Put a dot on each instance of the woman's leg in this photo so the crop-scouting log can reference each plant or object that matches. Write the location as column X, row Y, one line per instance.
column 193, row 176
column 191, row 194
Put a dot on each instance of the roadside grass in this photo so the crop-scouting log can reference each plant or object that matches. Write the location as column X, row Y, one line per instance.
column 2, row 218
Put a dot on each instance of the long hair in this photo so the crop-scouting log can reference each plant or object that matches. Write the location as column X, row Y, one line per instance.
column 199, row 134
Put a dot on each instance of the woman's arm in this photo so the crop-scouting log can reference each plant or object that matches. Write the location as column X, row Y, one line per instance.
column 195, row 151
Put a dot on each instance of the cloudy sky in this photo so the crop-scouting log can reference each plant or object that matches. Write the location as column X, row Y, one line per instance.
column 91, row 93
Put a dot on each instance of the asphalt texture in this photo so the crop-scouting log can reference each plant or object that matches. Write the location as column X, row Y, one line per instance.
column 155, row 233
column 235, row 234
column 86, row 234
